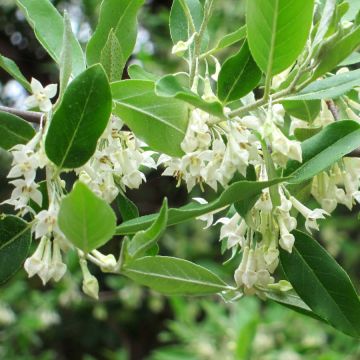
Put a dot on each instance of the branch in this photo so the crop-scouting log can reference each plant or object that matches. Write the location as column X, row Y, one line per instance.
column 333, row 109
column 29, row 116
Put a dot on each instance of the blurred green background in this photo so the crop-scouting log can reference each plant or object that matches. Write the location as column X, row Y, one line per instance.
column 129, row 322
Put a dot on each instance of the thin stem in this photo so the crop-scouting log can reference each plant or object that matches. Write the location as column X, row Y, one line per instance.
column 209, row 6
column 29, row 116
column 188, row 15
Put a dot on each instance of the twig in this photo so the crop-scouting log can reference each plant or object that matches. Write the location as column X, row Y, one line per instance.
column 333, row 109
column 29, row 116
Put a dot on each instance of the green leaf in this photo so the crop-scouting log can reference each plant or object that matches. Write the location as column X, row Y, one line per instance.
column 65, row 56
column 238, row 76
column 15, row 240
column 352, row 59
column 333, row 52
column 171, row 86
column 48, row 26
column 324, row 149
column 231, row 39
column 245, row 338
column 112, row 58
column 11, row 68
column 80, row 119
column 14, row 130
column 303, row 134
column 118, row 17
column 179, row 25
column 160, row 122
column 325, row 22
column 331, row 87
column 239, row 191
column 5, row 164
column 277, row 32
column 322, row 284
column 127, row 208
column 174, row 276
column 304, row 110
column 353, row 10
column 146, row 239
column 136, row 72
column 85, row 219
column 292, row 301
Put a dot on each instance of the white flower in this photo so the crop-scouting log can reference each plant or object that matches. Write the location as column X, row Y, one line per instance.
column 22, row 193
column 249, row 277
column 46, row 272
column 234, row 229
column 264, row 203
column 182, row 46
column 107, row 263
column 197, row 136
column 90, row 285
column 34, row 263
column 58, row 267
column 287, row 240
column 310, row 215
column 208, row 218
column 46, row 221
column 241, row 269
column 217, row 68
column 25, row 162
column 282, row 147
column 41, row 96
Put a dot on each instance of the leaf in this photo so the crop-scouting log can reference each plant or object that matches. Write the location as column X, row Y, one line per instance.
column 352, row 59
column 14, row 131
column 85, row 219
column 80, row 119
column 145, row 239
column 5, row 164
column 303, row 134
column 136, row 72
column 324, row 149
column 304, row 110
column 245, row 338
column 353, row 10
column 325, row 22
column 239, row 191
column 48, row 26
column 330, row 88
column 118, row 17
column 112, row 58
column 238, row 76
column 333, row 52
column 231, row 39
column 322, row 284
column 127, row 208
column 277, row 32
column 15, row 240
column 170, row 86
column 179, row 25
column 11, row 68
column 292, row 301
column 65, row 56
column 160, row 122
column 174, row 276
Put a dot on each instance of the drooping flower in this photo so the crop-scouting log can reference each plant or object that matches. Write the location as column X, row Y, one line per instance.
column 311, row 216
column 22, row 194
column 90, row 285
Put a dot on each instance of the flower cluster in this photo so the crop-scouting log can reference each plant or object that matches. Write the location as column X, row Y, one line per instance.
column 340, row 185
column 213, row 154
column 116, row 163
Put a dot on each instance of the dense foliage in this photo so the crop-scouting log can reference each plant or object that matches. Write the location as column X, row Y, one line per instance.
column 262, row 132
